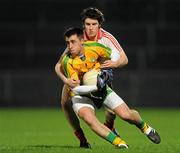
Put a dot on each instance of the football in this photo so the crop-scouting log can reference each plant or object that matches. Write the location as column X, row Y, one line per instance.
column 90, row 77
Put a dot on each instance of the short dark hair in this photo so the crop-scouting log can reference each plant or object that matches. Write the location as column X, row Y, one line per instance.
column 93, row 13
column 72, row 31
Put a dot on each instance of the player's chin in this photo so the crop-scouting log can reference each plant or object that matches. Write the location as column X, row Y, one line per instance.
column 91, row 34
column 73, row 53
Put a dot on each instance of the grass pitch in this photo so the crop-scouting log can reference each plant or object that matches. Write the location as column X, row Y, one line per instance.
column 43, row 130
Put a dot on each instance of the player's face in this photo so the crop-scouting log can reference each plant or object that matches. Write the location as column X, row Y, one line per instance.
column 74, row 44
column 91, row 27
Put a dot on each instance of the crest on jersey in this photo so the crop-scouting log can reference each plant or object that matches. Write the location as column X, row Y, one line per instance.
column 92, row 59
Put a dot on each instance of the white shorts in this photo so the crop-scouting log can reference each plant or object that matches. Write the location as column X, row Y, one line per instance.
column 112, row 101
column 80, row 102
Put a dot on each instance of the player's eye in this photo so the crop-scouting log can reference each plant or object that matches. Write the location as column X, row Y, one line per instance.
column 67, row 42
column 87, row 24
column 72, row 41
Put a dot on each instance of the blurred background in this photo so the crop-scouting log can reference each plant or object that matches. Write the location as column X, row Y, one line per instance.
column 31, row 43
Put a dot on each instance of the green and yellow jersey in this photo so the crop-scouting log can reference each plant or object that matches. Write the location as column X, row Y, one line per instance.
column 93, row 53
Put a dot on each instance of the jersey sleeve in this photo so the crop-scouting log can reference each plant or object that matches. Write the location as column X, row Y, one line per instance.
column 63, row 54
column 111, row 41
column 68, row 69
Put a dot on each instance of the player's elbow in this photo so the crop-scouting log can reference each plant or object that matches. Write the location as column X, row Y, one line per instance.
column 126, row 61
column 57, row 68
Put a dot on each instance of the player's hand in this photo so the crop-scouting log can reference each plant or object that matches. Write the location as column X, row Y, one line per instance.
column 108, row 64
column 71, row 82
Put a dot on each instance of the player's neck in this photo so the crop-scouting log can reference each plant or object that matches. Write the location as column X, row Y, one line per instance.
column 93, row 38
column 81, row 53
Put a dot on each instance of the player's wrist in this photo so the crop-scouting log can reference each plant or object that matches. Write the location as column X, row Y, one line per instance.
column 66, row 80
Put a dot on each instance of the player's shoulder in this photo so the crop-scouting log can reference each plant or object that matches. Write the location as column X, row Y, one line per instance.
column 67, row 58
column 67, row 55
column 93, row 44
column 106, row 34
column 108, row 39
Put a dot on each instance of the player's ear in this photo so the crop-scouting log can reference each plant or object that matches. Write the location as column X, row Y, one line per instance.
column 82, row 41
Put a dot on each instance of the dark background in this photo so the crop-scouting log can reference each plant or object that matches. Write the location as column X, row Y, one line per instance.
column 31, row 43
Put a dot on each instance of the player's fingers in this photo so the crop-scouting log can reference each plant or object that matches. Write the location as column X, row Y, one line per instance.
column 72, row 85
column 107, row 64
column 104, row 66
column 75, row 81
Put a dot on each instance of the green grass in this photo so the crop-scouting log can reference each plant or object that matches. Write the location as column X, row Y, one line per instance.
column 44, row 130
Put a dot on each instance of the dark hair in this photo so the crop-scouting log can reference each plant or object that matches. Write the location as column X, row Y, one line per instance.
column 93, row 13
column 72, row 31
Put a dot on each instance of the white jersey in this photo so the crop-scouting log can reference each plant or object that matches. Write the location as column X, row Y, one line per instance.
column 108, row 40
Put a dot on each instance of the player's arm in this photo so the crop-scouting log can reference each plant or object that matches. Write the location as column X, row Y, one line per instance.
column 69, row 81
column 122, row 61
column 101, row 82
column 108, row 53
column 117, row 49
column 69, row 72
column 84, row 89
column 59, row 71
